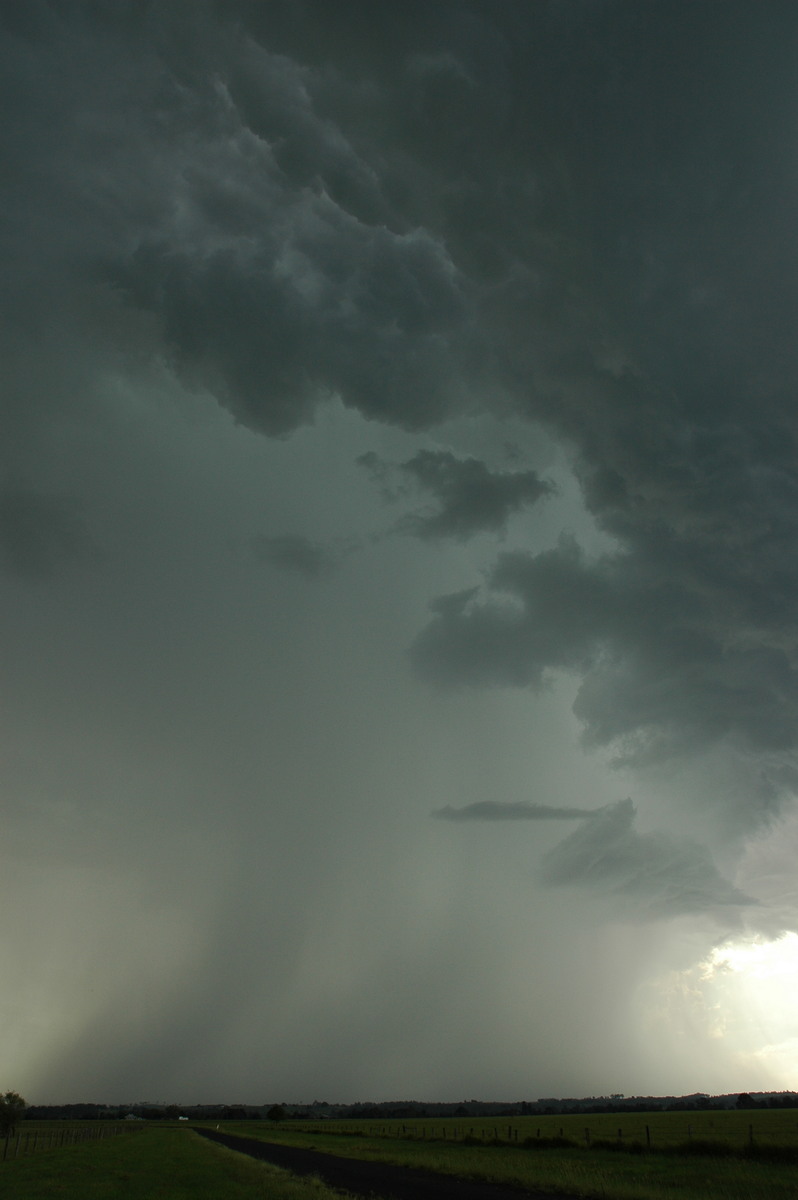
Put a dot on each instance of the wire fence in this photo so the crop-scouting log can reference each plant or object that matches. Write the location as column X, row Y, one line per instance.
column 32, row 1141
column 650, row 1132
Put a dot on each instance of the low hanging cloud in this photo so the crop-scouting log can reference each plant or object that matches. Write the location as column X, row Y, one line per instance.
column 660, row 875
column 494, row 810
column 470, row 498
column 652, row 875
column 663, row 663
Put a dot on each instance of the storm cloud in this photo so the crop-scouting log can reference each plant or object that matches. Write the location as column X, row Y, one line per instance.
column 250, row 251
column 654, row 874
column 494, row 810
column 471, row 498
column 292, row 552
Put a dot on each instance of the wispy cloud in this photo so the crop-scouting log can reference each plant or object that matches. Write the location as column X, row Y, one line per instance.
column 494, row 810
column 650, row 874
column 292, row 552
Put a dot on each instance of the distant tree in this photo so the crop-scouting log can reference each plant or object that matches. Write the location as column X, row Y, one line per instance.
column 12, row 1110
column 276, row 1113
column 744, row 1101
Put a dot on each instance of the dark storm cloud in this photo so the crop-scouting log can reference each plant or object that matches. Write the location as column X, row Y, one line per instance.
column 494, row 810
column 581, row 214
column 471, row 498
column 654, row 874
column 670, row 366
column 663, row 667
column 222, row 201
column 292, row 552
column 320, row 306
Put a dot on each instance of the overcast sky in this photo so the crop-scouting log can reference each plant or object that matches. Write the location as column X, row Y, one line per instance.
column 398, row 539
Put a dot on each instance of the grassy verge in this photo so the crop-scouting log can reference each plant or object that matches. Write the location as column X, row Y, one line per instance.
column 155, row 1164
column 575, row 1171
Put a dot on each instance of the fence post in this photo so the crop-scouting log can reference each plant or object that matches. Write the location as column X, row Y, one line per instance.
column 648, row 1137
column 587, row 1137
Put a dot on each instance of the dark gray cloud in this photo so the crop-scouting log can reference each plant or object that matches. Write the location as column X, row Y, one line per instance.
column 292, row 552
column 665, row 665
column 342, row 226
column 644, row 875
column 670, row 368
column 651, row 874
column 496, row 810
column 470, row 497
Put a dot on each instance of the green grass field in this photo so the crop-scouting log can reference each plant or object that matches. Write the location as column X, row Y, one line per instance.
column 169, row 1162
column 579, row 1169
column 156, row 1163
column 766, row 1126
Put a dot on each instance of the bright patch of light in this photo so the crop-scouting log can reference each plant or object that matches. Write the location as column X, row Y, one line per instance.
column 754, row 984
column 728, row 1022
column 755, row 961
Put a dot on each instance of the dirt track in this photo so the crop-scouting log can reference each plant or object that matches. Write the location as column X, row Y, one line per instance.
column 376, row 1179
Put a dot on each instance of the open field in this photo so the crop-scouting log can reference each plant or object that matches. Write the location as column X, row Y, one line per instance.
column 577, row 1170
column 158, row 1163
column 161, row 1161
column 766, row 1127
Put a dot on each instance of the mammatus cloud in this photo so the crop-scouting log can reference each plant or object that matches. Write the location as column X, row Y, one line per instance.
column 494, row 810
column 470, row 497
column 652, row 874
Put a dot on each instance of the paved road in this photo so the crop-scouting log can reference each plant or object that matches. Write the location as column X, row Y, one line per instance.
column 376, row 1179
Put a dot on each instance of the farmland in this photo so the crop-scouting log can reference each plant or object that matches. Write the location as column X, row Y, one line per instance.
column 709, row 1155
column 156, row 1163
column 733, row 1128
column 693, row 1155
